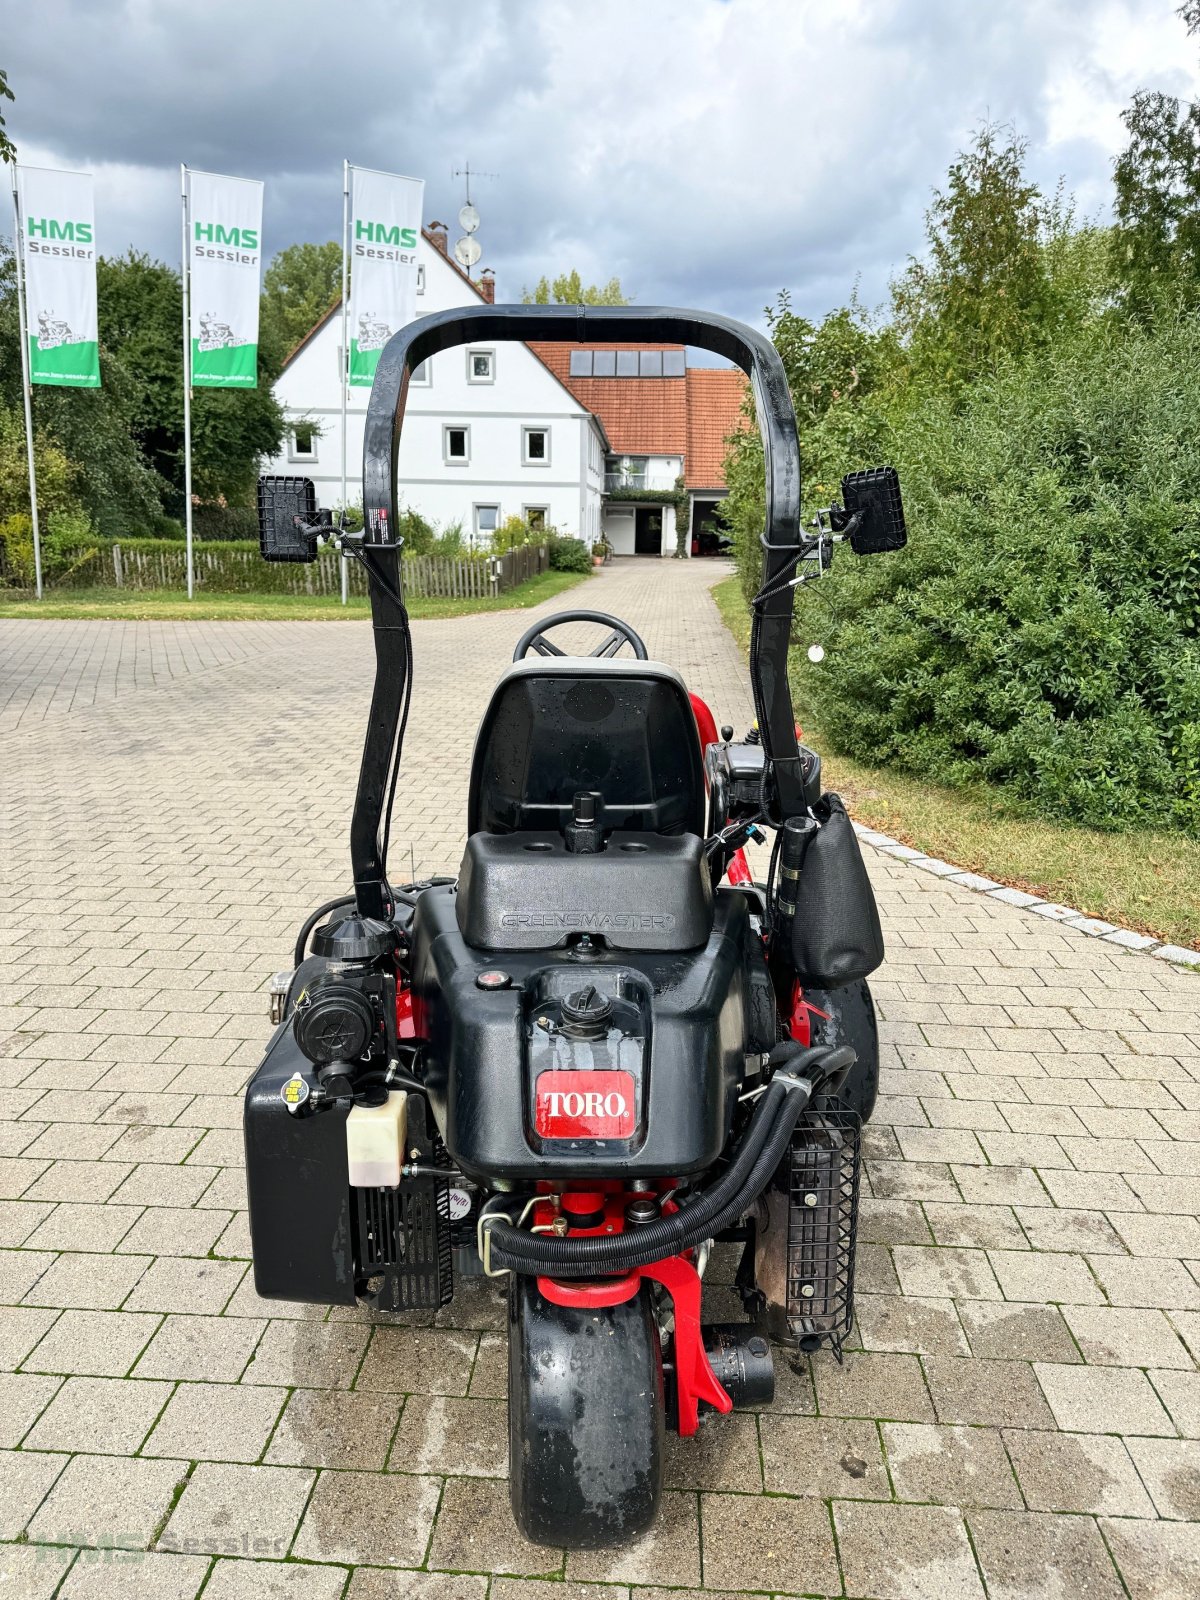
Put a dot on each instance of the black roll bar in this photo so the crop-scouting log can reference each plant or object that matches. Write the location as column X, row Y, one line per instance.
column 404, row 353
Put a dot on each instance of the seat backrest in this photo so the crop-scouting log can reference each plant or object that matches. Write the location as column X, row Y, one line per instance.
column 554, row 726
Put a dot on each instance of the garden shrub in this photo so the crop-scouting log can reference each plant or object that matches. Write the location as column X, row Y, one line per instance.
column 569, row 555
column 1042, row 630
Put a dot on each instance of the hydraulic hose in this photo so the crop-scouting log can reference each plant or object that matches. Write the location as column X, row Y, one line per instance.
column 759, row 1154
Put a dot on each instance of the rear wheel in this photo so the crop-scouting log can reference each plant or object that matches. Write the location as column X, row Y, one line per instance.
column 850, row 1020
column 585, row 1419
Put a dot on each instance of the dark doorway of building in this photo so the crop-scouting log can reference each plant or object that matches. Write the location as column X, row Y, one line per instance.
column 647, row 531
column 708, row 528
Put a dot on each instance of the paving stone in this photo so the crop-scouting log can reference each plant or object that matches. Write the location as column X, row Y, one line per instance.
column 84, row 1227
column 1170, row 1469
column 1158, row 1560
column 32, row 1572
column 901, row 1323
column 108, row 1501
column 20, row 1329
column 418, row 1361
column 997, row 1394
column 175, row 1283
column 1040, row 1275
column 106, row 1416
column 951, row 1466
column 213, row 1349
column 1147, row 1281
column 1082, row 1396
column 174, row 1231
column 308, row 1354
column 360, row 1516
column 765, row 1543
column 1004, row 1331
column 826, row 1457
column 1066, row 1229
column 23, row 1398
column 475, row 1531
column 460, row 1437
column 1180, row 1392
column 1087, row 1472
column 335, row 1429
column 216, row 1422
column 1115, row 1336
column 1026, row 1556
column 26, row 1477
column 149, row 1574
column 87, row 1282
column 868, row 1385
column 391, row 1583
column 274, row 1580
column 93, row 1343
column 905, row 1553
column 237, row 1511
column 975, row 1225
column 956, row 1272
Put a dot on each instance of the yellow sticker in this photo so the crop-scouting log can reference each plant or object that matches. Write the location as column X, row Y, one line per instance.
column 295, row 1091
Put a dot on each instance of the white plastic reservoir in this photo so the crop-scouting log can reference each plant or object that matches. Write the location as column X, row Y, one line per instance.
column 375, row 1142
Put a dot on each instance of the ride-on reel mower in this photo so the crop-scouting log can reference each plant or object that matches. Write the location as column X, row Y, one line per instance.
column 604, row 1049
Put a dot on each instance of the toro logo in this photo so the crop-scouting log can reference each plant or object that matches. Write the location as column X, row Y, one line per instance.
column 585, row 1105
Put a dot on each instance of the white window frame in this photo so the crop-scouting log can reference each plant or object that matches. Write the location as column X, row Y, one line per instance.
column 491, row 372
column 534, row 461
column 294, row 451
column 484, row 505
column 420, row 277
column 544, row 509
column 456, row 427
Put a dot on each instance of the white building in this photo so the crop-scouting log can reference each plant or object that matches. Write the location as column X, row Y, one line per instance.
column 489, row 430
column 585, row 438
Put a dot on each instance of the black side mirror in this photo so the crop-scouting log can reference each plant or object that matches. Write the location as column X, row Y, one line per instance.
column 288, row 519
column 873, row 498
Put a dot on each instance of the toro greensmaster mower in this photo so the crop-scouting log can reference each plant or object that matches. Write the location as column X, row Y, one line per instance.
column 604, row 1047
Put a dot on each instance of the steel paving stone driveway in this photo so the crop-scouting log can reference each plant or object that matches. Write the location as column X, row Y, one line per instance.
column 1024, row 1417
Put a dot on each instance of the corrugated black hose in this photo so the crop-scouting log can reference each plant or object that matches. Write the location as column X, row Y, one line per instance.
column 759, row 1154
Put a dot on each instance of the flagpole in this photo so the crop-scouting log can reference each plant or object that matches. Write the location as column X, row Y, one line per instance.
column 187, row 377
column 345, row 345
column 26, row 381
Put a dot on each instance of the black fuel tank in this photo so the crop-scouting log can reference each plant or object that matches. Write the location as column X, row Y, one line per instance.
column 677, row 1030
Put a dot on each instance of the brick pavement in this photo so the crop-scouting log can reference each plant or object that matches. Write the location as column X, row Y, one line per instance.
column 1022, row 1417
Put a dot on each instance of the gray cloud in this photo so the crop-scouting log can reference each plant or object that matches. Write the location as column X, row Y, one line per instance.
column 709, row 152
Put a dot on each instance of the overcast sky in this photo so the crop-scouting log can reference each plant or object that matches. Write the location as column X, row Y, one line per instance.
column 709, row 152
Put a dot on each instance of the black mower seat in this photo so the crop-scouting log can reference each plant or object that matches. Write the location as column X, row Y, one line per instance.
column 555, row 726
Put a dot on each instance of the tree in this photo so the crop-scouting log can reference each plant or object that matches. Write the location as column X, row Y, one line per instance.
column 569, row 289
column 298, row 287
column 8, row 150
column 982, row 292
column 90, row 433
column 1156, row 243
column 141, row 308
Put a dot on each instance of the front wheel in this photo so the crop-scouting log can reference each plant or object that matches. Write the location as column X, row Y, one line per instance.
column 586, row 1415
column 849, row 1019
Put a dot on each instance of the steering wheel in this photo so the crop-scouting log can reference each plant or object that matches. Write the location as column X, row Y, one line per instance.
column 534, row 638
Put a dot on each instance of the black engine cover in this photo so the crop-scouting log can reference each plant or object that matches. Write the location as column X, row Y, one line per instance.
column 679, row 1032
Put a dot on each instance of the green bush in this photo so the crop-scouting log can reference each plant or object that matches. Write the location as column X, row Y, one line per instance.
column 224, row 523
column 569, row 555
column 513, row 532
column 69, row 546
column 1042, row 630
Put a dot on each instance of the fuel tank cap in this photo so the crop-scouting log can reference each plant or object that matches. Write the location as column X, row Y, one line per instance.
column 587, row 1013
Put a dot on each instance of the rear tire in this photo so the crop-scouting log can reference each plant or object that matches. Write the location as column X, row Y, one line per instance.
column 851, row 1020
column 585, row 1419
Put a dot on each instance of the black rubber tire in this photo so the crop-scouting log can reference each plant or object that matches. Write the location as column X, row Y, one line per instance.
column 851, row 1021
column 585, row 1419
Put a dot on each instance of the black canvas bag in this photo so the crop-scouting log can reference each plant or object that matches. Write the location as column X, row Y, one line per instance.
column 836, row 937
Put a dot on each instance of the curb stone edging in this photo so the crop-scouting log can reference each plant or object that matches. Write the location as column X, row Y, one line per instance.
column 1094, row 927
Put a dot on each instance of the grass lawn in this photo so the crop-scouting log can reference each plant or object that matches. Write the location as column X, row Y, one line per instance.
column 168, row 605
column 1139, row 880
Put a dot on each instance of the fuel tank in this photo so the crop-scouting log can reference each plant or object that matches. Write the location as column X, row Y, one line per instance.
column 581, row 1058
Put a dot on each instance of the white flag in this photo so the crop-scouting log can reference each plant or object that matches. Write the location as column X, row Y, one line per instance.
column 224, row 261
column 385, row 229
column 59, row 256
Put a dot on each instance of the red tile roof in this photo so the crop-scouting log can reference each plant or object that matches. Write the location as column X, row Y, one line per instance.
column 714, row 411
column 690, row 416
column 642, row 416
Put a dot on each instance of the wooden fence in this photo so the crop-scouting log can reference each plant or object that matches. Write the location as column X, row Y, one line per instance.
column 222, row 570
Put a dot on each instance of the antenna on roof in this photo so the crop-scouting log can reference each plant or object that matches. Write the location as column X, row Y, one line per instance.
column 467, row 250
